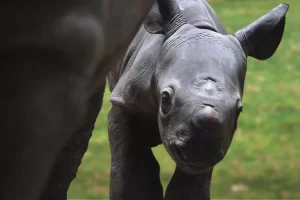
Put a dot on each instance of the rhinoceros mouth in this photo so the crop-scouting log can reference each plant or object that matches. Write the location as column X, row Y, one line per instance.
column 177, row 150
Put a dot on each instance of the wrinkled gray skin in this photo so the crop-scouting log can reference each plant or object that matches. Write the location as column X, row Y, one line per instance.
column 55, row 56
column 181, row 83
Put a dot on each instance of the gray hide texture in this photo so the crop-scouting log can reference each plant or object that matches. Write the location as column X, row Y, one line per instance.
column 55, row 56
column 180, row 84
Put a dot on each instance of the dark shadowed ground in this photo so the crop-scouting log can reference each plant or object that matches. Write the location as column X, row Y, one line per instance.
column 264, row 159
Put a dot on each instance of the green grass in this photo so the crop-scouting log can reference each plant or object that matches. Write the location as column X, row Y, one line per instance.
column 263, row 161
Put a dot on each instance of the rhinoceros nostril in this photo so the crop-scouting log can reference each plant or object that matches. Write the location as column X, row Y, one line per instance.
column 206, row 118
column 177, row 147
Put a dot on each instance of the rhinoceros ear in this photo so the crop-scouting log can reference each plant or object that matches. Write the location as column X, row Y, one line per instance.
column 164, row 17
column 154, row 22
column 261, row 38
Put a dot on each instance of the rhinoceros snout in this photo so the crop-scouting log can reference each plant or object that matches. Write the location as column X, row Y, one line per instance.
column 207, row 121
column 201, row 145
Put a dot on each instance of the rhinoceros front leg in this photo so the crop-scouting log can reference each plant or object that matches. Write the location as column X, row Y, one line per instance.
column 134, row 169
column 69, row 159
column 189, row 187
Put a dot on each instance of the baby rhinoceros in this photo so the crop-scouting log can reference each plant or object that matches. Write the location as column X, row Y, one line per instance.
column 180, row 84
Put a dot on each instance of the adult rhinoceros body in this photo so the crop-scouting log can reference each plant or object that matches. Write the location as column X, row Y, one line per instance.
column 54, row 59
column 181, row 84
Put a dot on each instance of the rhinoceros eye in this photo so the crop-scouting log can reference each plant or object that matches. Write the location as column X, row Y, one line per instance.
column 238, row 112
column 239, row 108
column 165, row 101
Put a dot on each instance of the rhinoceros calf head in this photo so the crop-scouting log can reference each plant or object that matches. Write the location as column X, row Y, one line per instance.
column 200, row 79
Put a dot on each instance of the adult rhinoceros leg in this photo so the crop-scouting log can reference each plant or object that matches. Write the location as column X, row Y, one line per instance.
column 189, row 187
column 69, row 159
column 43, row 106
column 134, row 169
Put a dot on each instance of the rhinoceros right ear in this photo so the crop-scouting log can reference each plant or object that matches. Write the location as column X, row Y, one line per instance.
column 261, row 38
column 154, row 22
column 164, row 17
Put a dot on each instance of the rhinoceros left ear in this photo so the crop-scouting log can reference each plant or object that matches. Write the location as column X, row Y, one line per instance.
column 261, row 38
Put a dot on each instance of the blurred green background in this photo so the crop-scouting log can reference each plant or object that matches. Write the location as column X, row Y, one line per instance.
column 263, row 161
